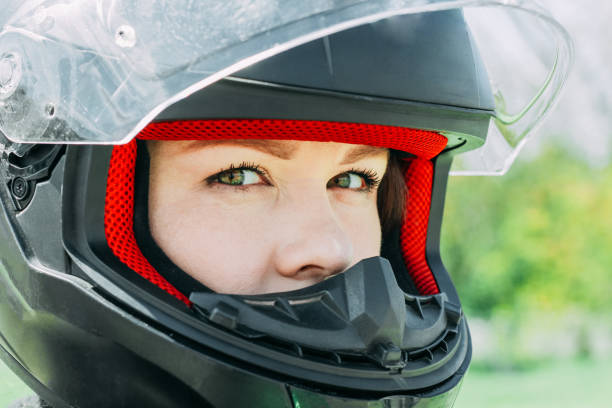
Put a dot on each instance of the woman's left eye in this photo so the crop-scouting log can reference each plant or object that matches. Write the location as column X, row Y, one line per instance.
column 353, row 181
column 238, row 177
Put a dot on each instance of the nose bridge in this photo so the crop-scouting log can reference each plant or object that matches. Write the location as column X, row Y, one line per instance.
column 313, row 210
column 314, row 242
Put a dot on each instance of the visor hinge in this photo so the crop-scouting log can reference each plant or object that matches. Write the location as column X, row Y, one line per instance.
column 29, row 167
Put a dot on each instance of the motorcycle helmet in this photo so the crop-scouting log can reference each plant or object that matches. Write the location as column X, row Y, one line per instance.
column 94, row 314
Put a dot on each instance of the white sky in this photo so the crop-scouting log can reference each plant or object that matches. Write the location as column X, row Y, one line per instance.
column 583, row 117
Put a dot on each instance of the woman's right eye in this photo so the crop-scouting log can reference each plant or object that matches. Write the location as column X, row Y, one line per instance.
column 238, row 177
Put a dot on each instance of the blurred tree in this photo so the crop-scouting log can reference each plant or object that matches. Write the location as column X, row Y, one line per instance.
column 538, row 238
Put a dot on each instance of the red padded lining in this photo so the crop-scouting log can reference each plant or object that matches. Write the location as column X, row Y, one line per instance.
column 119, row 218
column 119, row 204
column 413, row 236
column 421, row 143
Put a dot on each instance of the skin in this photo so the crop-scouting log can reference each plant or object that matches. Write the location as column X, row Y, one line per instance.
column 289, row 227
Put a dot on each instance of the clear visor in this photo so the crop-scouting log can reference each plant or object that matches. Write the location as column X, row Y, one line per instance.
column 528, row 56
column 99, row 71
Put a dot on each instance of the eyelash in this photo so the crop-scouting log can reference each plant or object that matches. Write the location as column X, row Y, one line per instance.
column 371, row 178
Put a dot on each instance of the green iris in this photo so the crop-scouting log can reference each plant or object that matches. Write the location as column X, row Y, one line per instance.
column 232, row 177
column 348, row 180
column 343, row 180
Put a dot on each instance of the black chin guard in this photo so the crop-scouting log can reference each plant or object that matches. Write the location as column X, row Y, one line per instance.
column 361, row 313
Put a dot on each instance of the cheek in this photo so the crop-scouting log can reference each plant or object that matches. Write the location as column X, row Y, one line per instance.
column 219, row 246
column 362, row 225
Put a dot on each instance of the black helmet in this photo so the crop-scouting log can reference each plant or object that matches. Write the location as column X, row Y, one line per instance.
column 93, row 314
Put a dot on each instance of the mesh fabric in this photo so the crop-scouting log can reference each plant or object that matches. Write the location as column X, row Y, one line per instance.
column 119, row 218
column 413, row 235
column 421, row 143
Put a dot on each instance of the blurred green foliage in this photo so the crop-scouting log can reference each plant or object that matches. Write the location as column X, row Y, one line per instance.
column 539, row 238
column 563, row 383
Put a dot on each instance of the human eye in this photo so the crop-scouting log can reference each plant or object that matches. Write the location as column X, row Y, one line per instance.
column 358, row 180
column 246, row 174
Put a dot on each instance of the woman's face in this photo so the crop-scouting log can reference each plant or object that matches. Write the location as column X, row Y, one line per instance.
column 261, row 216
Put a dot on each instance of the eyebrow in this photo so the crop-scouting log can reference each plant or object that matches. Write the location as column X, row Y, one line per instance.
column 283, row 149
column 362, row 151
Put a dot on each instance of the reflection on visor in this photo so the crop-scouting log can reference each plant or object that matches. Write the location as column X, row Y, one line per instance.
column 98, row 72
column 528, row 57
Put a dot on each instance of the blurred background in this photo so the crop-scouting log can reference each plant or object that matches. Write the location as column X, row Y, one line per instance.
column 530, row 252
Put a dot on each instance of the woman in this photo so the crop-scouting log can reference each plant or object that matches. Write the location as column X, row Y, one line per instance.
column 267, row 240
column 265, row 200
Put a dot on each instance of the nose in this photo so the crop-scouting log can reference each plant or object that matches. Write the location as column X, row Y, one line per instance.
column 313, row 245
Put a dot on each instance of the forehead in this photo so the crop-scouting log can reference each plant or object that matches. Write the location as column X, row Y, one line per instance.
column 283, row 149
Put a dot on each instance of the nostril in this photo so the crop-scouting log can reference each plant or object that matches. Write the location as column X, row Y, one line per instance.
column 310, row 271
column 316, row 272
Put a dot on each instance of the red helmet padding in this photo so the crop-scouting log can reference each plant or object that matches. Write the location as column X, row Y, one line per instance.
column 119, row 218
column 413, row 236
column 421, row 143
column 119, row 204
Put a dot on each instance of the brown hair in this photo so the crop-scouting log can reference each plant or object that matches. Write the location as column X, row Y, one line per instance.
column 391, row 199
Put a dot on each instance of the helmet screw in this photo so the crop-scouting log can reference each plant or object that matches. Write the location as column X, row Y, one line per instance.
column 20, row 188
